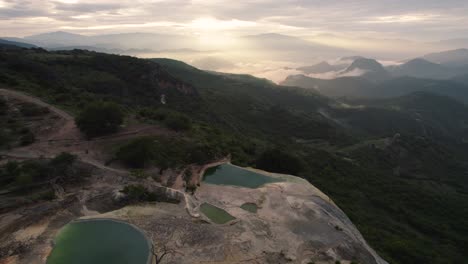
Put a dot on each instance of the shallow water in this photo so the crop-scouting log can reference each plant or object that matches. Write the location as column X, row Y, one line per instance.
column 216, row 214
column 250, row 207
column 227, row 174
column 99, row 242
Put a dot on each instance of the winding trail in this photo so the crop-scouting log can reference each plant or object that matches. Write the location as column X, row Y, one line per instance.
column 68, row 126
column 31, row 99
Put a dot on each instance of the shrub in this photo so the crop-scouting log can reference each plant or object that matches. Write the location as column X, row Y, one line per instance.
column 62, row 162
column 63, row 159
column 201, row 154
column 172, row 119
column 3, row 106
column 135, row 192
column 338, row 228
column 178, row 122
column 48, row 195
column 138, row 173
column 27, row 139
column 30, row 109
column 12, row 168
column 100, row 119
column 38, row 170
column 138, row 152
column 24, row 179
column 4, row 138
column 191, row 188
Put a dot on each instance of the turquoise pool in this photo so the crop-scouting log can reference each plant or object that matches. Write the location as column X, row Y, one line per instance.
column 227, row 174
column 100, row 242
column 216, row 214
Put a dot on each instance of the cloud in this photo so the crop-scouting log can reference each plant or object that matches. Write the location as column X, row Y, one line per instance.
column 386, row 29
column 277, row 75
column 86, row 7
column 395, row 18
column 213, row 64
column 337, row 74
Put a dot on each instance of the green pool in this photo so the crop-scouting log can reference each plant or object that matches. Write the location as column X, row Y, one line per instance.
column 227, row 174
column 216, row 214
column 250, row 207
column 100, row 242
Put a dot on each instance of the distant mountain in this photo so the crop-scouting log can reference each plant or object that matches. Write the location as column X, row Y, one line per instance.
column 421, row 68
column 453, row 58
column 282, row 46
column 151, row 41
column 463, row 78
column 59, row 38
column 339, row 87
column 322, row 67
column 406, row 85
column 122, row 42
column 17, row 44
column 354, row 87
column 369, row 69
column 104, row 50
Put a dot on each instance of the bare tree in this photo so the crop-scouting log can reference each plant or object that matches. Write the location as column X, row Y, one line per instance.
column 160, row 250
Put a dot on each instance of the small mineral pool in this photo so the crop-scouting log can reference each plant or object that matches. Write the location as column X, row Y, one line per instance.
column 99, row 242
column 216, row 214
column 227, row 174
column 250, row 207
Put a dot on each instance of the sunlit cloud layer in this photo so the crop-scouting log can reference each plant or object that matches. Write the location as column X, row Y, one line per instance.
column 213, row 34
column 413, row 19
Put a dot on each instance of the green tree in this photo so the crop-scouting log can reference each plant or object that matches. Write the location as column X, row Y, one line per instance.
column 62, row 163
column 3, row 106
column 27, row 139
column 24, row 180
column 138, row 152
column 178, row 122
column 100, row 119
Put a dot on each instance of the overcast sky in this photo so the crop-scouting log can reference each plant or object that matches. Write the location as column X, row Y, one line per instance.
column 424, row 20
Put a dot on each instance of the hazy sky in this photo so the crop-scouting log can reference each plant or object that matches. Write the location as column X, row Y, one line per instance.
column 423, row 20
column 390, row 30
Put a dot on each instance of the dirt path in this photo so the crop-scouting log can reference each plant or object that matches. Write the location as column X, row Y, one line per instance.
column 32, row 99
column 68, row 129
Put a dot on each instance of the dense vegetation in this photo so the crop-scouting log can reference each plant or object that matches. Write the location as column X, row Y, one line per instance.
column 23, row 175
column 358, row 87
column 172, row 119
column 14, row 130
column 99, row 119
column 200, row 146
column 277, row 160
column 33, row 179
column 407, row 196
column 397, row 166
